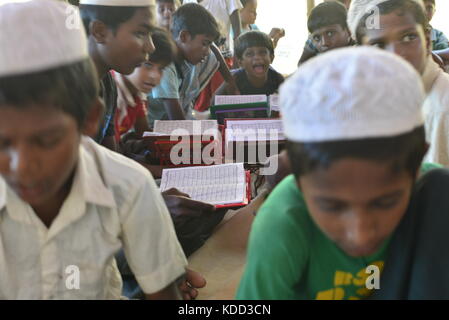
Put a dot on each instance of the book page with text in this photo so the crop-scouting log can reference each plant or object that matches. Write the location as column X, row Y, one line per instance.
column 219, row 184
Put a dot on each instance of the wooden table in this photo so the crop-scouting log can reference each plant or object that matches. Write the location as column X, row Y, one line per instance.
column 221, row 260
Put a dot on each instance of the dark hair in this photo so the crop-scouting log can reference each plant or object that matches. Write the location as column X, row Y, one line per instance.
column 167, row 1
column 71, row 88
column 245, row 2
column 165, row 52
column 252, row 39
column 196, row 20
column 111, row 16
column 404, row 151
column 433, row 1
column 327, row 14
column 404, row 6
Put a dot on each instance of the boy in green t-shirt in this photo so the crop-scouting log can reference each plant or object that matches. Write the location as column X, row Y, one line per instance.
column 326, row 231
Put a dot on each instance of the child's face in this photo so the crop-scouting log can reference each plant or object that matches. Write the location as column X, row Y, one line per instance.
column 147, row 76
column 357, row 203
column 248, row 14
column 400, row 34
column 194, row 49
column 256, row 61
column 164, row 14
column 38, row 151
column 430, row 9
column 131, row 44
column 330, row 37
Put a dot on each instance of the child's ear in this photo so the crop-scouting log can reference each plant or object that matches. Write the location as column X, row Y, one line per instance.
column 185, row 36
column 99, row 31
column 92, row 122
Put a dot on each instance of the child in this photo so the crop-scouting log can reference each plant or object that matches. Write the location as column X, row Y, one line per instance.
column 133, row 89
column 403, row 29
column 255, row 53
column 439, row 40
column 119, row 38
column 67, row 204
column 355, row 152
column 164, row 13
column 227, row 15
column 248, row 15
column 328, row 30
column 194, row 30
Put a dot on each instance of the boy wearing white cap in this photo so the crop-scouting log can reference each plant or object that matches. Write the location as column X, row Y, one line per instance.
column 401, row 27
column 119, row 38
column 67, row 204
column 355, row 148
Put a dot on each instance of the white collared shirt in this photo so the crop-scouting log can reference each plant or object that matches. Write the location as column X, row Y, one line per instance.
column 113, row 202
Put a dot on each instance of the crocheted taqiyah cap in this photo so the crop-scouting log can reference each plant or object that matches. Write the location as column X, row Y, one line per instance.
column 360, row 8
column 38, row 35
column 352, row 93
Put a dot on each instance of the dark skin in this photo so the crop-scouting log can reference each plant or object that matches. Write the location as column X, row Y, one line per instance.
column 330, row 37
column 357, row 203
column 39, row 150
column 38, row 160
column 122, row 50
column 256, row 62
column 401, row 35
column 325, row 39
column 194, row 50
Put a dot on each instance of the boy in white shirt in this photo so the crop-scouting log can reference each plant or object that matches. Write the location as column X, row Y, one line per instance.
column 66, row 203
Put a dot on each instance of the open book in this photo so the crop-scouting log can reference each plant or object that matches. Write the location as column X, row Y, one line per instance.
column 220, row 185
column 184, row 127
column 254, row 130
column 272, row 100
column 221, row 100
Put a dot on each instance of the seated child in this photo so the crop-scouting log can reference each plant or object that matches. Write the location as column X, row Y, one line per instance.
column 328, row 30
column 119, row 38
column 194, row 30
column 226, row 13
column 404, row 31
column 248, row 15
column 439, row 40
column 355, row 153
column 67, row 204
column 133, row 89
column 254, row 52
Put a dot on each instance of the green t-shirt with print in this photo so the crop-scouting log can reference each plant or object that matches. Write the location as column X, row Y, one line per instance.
column 289, row 257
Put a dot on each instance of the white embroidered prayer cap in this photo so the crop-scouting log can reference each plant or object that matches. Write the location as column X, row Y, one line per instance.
column 359, row 8
column 351, row 93
column 120, row 3
column 38, row 35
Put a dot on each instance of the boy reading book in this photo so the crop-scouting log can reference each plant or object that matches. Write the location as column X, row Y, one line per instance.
column 353, row 203
column 67, row 203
